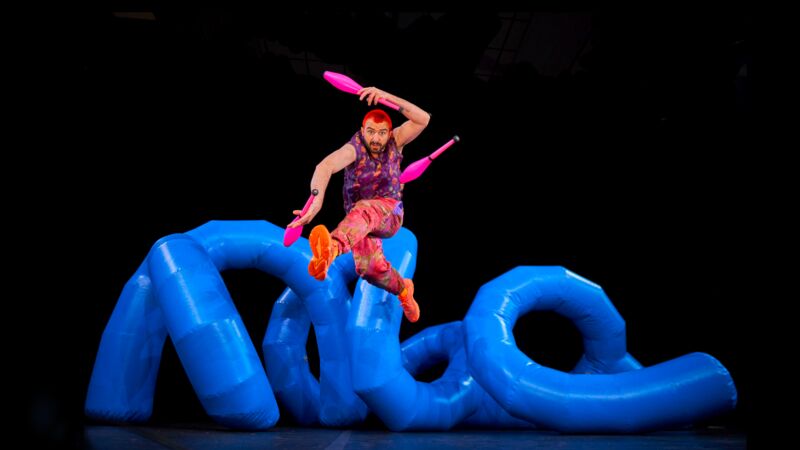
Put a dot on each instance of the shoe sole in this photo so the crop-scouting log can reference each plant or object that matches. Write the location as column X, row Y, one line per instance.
column 320, row 240
column 410, row 306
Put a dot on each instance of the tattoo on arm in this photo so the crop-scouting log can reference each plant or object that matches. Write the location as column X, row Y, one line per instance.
column 401, row 110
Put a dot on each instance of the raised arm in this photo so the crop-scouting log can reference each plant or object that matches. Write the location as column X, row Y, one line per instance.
column 332, row 163
column 417, row 117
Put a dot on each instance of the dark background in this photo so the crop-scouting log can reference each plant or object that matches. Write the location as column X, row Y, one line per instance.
column 606, row 142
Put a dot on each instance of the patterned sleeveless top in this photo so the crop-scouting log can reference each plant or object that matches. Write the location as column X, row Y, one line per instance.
column 370, row 177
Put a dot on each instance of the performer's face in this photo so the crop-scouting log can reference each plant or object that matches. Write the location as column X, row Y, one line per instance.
column 377, row 135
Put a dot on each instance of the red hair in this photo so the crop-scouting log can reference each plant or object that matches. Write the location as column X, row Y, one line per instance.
column 377, row 116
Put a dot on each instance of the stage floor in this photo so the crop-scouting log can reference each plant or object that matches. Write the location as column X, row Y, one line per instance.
column 202, row 437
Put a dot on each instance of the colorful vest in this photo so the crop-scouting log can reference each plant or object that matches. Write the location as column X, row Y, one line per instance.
column 371, row 177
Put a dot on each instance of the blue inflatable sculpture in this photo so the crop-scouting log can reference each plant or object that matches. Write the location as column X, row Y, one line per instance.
column 178, row 292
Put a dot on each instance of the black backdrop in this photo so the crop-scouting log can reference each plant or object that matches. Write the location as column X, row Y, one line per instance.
column 607, row 145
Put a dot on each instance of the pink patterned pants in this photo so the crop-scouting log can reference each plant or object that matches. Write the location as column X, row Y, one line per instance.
column 362, row 230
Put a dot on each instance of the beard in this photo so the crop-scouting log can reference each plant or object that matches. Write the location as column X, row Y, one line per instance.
column 376, row 147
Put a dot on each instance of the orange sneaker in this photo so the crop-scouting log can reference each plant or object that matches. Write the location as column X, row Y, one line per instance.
column 320, row 240
column 410, row 306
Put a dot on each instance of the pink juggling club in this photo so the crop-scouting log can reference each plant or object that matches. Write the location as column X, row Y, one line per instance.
column 292, row 234
column 415, row 169
column 346, row 84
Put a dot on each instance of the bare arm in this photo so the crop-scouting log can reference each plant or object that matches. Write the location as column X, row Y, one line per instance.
column 417, row 117
column 334, row 162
